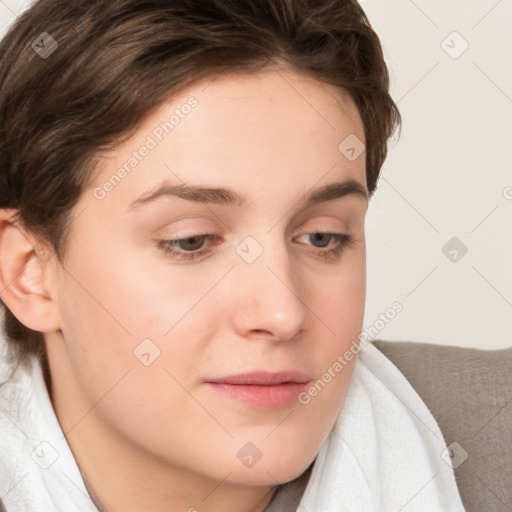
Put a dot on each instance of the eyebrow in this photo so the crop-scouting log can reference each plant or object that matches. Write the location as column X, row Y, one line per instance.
column 228, row 197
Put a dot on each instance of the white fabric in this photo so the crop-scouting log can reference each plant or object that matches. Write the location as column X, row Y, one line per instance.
column 383, row 454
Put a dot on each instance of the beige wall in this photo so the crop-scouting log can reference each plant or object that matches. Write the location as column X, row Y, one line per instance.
column 450, row 175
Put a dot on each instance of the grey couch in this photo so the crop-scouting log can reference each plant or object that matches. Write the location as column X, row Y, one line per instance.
column 469, row 392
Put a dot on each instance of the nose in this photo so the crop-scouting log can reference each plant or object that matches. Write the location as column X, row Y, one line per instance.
column 267, row 301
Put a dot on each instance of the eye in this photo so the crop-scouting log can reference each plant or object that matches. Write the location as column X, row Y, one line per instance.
column 189, row 248
column 330, row 245
column 336, row 242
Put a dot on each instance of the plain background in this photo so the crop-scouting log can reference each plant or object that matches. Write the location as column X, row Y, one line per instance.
column 448, row 177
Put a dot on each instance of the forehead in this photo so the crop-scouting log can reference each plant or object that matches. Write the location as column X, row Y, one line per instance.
column 273, row 124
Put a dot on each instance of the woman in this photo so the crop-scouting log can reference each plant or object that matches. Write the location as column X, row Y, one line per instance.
column 182, row 255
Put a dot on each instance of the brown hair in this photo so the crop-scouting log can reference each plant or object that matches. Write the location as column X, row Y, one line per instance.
column 118, row 60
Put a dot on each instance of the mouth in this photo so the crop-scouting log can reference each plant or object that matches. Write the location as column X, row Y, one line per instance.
column 262, row 389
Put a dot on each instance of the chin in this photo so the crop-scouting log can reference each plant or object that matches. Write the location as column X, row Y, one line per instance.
column 272, row 470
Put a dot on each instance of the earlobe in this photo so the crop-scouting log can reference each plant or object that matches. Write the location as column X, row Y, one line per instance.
column 27, row 284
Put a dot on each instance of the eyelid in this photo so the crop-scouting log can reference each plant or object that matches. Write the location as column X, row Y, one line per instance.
column 335, row 221
column 200, row 226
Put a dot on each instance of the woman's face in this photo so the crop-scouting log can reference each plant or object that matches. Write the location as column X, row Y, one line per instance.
column 245, row 285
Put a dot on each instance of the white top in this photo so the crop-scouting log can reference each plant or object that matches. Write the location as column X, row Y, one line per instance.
column 385, row 453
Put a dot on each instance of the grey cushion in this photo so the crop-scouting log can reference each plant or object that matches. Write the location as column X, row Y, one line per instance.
column 469, row 392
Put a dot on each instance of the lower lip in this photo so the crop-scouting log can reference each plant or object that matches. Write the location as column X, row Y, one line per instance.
column 262, row 397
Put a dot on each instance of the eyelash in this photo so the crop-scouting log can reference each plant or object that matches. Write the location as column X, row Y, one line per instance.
column 343, row 241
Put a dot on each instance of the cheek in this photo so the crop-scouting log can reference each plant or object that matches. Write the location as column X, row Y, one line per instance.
column 337, row 304
column 106, row 313
column 119, row 313
column 339, row 298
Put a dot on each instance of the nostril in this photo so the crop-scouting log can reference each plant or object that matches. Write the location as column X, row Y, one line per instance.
column 262, row 333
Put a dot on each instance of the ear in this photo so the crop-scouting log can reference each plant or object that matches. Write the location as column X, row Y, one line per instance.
column 27, row 276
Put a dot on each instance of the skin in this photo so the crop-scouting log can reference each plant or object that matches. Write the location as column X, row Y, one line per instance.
column 155, row 437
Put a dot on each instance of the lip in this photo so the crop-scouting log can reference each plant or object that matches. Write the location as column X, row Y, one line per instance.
column 262, row 389
column 263, row 378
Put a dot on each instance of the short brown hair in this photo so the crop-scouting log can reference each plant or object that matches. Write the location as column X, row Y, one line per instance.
column 118, row 60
